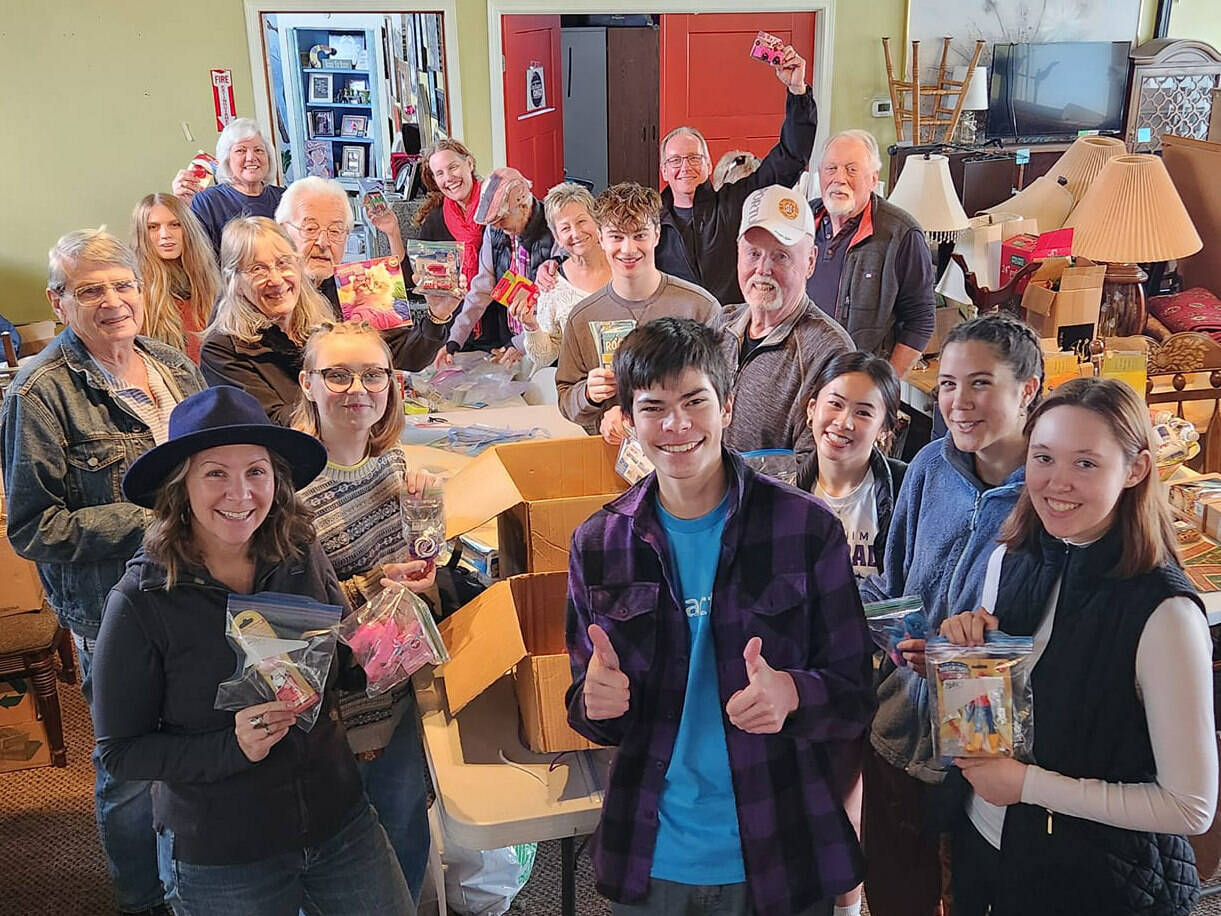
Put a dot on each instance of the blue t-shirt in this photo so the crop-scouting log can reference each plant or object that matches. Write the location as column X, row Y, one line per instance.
column 216, row 205
column 697, row 840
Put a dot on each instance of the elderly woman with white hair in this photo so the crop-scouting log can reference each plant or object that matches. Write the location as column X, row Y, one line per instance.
column 243, row 186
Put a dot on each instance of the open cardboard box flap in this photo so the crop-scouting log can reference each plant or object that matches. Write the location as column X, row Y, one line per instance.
column 543, row 469
column 484, row 641
column 1085, row 276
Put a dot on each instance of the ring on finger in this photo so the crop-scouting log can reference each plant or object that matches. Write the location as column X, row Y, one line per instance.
column 257, row 721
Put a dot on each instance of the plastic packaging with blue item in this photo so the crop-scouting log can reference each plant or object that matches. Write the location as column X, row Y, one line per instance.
column 980, row 698
column 284, row 646
column 892, row 621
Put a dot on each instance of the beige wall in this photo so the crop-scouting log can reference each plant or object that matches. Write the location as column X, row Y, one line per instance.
column 115, row 85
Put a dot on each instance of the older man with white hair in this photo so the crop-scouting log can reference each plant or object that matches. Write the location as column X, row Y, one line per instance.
column 777, row 341
column 317, row 215
column 874, row 274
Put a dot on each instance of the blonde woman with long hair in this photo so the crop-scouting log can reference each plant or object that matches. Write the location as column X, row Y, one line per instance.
column 178, row 267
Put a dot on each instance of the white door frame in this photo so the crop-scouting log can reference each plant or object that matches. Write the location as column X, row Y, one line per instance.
column 824, row 40
column 254, row 9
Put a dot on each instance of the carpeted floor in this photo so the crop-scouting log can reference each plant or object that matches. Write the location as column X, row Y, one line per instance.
column 51, row 863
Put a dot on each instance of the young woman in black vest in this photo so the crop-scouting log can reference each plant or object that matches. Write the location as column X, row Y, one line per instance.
column 1125, row 760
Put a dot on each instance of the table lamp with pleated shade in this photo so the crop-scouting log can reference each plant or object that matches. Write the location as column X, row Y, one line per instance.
column 926, row 191
column 1082, row 162
column 1132, row 214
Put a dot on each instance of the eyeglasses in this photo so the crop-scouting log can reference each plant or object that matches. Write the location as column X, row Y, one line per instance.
column 339, row 379
column 311, row 231
column 94, row 294
column 673, row 162
column 261, row 273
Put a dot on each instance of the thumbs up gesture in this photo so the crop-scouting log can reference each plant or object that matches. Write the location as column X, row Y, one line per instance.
column 606, row 687
column 764, row 704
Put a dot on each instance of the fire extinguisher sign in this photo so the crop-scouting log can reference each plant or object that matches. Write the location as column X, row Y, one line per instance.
column 222, row 97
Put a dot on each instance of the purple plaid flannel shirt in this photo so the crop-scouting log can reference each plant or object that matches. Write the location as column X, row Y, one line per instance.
column 784, row 575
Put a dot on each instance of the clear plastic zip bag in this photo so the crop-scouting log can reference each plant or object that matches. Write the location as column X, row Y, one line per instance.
column 392, row 637
column 891, row 622
column 284, row 645
column 980, row 697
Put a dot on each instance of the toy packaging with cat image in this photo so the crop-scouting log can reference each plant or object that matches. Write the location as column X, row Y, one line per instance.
column 980, row 698
column 891, row 622
column 608, row 335
column 373, row 291
column 392, row 637
column 373, row 195
column 767, row 48
column 513, row 289
column 437, row 267
column 284, row 646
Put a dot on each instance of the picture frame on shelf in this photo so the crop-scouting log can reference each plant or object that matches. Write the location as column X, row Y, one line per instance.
column 354, row 126
column 318, row 159
column 321, row 90
column 352, row 162
column 322, row 123
column 347, row 45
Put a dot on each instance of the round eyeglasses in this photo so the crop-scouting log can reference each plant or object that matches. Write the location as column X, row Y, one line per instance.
column 339, row 379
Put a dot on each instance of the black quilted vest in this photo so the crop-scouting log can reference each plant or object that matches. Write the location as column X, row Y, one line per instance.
column 536, row 239
column 1088, row 723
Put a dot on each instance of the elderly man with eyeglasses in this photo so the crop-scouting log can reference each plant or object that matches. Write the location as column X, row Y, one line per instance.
column 73, row 421
column 316, row 214
column 699, row 225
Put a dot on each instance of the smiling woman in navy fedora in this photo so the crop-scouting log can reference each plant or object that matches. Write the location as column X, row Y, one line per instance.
column 256, row 816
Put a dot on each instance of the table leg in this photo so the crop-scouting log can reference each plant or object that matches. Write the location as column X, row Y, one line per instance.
column 568, row 876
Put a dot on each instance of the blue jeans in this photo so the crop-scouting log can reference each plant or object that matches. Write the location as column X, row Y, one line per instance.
column 354, row 873
column 124, row 810
column 397, row 787
column 666, row 898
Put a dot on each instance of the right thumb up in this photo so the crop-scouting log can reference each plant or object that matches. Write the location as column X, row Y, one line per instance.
column 604, row 652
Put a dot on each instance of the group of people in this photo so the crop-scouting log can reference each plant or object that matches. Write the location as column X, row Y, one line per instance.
column 206, row 424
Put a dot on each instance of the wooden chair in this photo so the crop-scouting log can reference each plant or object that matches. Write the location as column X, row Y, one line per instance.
column 1185, row 369
column 28, row 646
column 907, row 96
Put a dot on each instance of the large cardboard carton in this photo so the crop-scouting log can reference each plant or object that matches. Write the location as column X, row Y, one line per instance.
column 539, row 492
column 16, row 701
column 517, row 622
column 23, row 736
column 22, row 589
column 1076, row 302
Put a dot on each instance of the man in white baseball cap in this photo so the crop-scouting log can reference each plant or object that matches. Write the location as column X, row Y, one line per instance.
column 778, row 340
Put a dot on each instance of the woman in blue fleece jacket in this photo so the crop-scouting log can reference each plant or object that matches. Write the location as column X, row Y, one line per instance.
column 957, row 492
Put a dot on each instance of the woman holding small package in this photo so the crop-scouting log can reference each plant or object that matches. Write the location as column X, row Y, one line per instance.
column 1125, row 752
column 258, row 816
column 351, row 402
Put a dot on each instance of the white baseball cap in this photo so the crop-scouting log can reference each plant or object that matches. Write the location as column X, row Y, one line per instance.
column 781, row 211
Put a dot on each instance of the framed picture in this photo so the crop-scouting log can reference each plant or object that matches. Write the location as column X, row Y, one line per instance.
column 318, row 159
column 352, row 162
column 322, row 123
column 354, row 126
column 320, row 88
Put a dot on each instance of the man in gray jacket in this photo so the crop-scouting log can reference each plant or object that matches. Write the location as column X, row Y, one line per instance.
column 778, row 340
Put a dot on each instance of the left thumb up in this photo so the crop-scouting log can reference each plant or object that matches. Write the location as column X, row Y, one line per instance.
column 753, row 656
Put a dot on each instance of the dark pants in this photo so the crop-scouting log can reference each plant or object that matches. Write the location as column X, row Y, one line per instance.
column 669, row 899
column 902, row 859
column 976, row 865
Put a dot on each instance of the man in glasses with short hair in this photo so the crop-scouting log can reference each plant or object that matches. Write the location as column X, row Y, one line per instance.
column 74, row 419
column 317, row 216
column 699, row 225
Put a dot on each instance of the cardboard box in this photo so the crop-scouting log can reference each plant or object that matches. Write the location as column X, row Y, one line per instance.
column 24, row 746
column 539, row 492
column 16, row 701
column 517, row 622
column 1077, row 301
column 1185, row 494
column 1020, row 250
column 1208, row 516
column 22, row 590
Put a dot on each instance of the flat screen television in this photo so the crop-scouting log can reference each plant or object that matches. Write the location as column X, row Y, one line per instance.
column 1054, row 90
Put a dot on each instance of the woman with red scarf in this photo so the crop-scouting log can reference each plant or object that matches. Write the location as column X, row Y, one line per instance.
column 448, row 213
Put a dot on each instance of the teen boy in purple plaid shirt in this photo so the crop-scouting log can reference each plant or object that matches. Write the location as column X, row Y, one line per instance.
column 717, row 638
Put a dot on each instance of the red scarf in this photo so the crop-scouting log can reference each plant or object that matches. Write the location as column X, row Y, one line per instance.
column 462, row 226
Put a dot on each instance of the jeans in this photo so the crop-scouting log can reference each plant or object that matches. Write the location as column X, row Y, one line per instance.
column 396, row 785
column 666, row 898
column 354, row 873
column 124, row 810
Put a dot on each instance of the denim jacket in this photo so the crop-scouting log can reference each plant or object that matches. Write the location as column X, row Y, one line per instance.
column 65, row 444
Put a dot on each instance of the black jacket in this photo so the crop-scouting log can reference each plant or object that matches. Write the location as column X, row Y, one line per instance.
column 159, row 658
column 1089, row 722
column 706, row 251
column 887, row 478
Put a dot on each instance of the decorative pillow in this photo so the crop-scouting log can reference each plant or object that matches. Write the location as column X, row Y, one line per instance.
column 1194, row 309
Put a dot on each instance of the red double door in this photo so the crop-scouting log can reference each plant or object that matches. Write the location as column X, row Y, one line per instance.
column 708, row 81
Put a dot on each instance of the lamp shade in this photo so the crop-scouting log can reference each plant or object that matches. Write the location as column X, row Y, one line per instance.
column 977, row 92
column 1045, row 200
column 1082, row 162
column 926, row 191
column 1133, row 214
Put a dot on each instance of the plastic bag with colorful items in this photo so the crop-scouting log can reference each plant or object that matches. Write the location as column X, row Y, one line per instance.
column 1177, row 440
column 392, row 637
column 980, row 698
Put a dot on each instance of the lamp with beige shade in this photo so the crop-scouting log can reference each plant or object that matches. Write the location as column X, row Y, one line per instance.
column 1131, row 215
column 1045, row 200
column 1082, row 162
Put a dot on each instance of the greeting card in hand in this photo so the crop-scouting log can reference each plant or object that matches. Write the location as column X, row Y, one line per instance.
column 373, row 291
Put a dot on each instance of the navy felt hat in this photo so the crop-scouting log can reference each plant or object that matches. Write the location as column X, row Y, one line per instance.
column 222, row 415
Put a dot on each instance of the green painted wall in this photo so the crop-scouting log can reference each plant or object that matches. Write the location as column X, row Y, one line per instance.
column 115, row 80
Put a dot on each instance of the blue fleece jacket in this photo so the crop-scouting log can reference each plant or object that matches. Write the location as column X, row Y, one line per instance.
column 944, row 528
